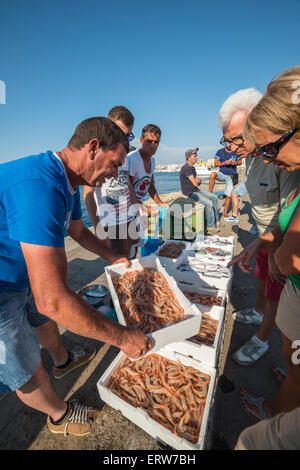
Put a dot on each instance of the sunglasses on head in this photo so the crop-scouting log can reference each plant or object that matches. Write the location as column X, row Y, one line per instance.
column 271, row 150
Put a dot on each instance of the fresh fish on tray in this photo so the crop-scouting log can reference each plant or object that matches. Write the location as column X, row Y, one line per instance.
column 206, row 269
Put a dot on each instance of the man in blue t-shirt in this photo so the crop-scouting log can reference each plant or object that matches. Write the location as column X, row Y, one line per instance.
column 39, row 201
column 227, row 162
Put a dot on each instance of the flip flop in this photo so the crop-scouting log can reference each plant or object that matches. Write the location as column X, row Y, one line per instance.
column 257, row 401
column 279, row 370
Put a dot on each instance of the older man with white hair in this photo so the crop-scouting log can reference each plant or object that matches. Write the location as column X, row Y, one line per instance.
column 239, row 104
column 268, row 188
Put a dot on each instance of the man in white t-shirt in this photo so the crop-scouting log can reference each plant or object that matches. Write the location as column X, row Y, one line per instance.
column 112, row 207
column 141, row 165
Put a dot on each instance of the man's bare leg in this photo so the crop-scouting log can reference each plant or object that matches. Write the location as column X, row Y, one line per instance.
column 268, row 323
column 261, row 301
column 39, row 394
column 226, row 207
column 212, row 180
column 235, row 204
column 50, row 339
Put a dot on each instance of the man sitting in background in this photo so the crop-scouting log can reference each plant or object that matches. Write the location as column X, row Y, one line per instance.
column 189, row 182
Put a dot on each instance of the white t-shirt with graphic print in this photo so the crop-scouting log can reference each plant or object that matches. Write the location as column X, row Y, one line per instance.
column 141, row 178
column 113, row 199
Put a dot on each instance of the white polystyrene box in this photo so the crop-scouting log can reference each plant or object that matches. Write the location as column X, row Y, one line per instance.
column 210, row 255
column 142, row 419
column 197, row 278
column 188, row 287
column 165, row 261
column 201, row 352
column 215, row 239
column 177, row 331
column 168, row 242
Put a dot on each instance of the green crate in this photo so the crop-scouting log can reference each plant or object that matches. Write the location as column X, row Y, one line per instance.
column 184, row 221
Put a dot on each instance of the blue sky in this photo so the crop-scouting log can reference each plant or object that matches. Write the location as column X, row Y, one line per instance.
column 172, row 63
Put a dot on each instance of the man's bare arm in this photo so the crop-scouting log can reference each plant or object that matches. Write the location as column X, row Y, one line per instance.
column 154, row 194
column 47, row 270
column 88, row 195
column 194, row 181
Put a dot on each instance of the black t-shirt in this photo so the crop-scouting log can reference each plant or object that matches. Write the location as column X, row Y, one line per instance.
column 187, row 186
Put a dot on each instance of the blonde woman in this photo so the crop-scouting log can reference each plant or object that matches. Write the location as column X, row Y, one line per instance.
column 274, row 127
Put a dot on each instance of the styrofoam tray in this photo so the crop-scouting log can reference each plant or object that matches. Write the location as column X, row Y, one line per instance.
column 177, row 331
column 141, row 418
column 167, row 242
column 214, row 239
column 201, row 352
column 188, row 287
column 210, row 259
column 199, row 278
column 211, row 254
column 165, row 261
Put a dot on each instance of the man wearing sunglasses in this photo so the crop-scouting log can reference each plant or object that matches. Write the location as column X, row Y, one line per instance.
column 268, row 188
column 110, row 206
column 141, row 165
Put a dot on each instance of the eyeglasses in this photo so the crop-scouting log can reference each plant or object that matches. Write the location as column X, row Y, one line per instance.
column 130, row 136
column 271, row 150
column 238, row 141
column 149, row 141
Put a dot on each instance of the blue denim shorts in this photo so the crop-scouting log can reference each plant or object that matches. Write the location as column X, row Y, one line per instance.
column 19, row 345
column 228, row 182
column 240, row 190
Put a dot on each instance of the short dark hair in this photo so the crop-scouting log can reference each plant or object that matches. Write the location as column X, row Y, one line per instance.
column 152, row 129
column 101, row 128
column 120, row 113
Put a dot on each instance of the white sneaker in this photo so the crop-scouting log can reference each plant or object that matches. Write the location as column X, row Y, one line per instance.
column 232, row 219
column 248, row 316
column 250, row 352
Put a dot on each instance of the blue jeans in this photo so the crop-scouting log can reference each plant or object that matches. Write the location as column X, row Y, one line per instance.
column 19, row 345
column 228, row 182
column 211, row 204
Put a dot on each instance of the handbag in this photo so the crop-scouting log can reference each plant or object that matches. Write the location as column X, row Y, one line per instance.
column 233, row 176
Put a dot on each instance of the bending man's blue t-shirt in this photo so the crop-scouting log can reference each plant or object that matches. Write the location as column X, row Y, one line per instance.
column 37, row 204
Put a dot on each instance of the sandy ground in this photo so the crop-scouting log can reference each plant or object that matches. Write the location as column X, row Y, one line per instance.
column 24, row 428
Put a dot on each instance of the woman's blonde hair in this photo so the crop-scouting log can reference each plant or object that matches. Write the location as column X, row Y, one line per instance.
column 279, row 109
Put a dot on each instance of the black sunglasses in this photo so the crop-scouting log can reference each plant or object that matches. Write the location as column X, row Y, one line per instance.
column 271, row 150
column 150, row 141
column 130, row 136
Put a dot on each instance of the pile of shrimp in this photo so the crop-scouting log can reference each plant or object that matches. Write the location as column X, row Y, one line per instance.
column 146, row 300
column 171, row 250
column 207, row 331
column 208, row 300
column 170, row 393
